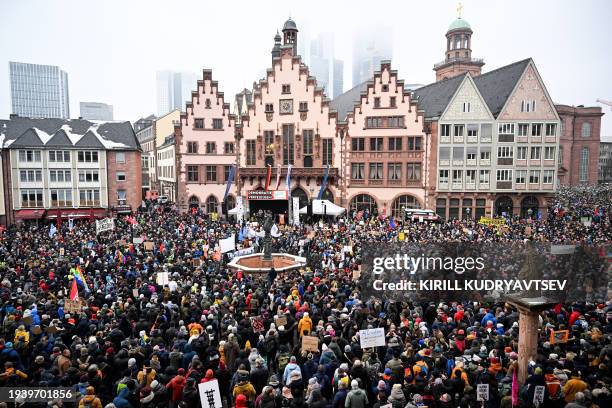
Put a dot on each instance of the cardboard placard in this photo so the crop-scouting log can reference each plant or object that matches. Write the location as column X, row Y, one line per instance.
column 559, row 336
column 138, row 240
column 369, row 338
column 148, row 246
column 310, row 343
column 280, row 321
column 62, row 251
column 135, row 293
column 538, row 395
column 482, row 392
column 73, row 306
column 257, row 324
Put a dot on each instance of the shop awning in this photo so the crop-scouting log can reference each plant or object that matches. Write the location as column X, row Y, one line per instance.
column 73, row 213
column 34, row 214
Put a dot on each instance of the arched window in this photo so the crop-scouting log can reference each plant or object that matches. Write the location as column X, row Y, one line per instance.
column 328, row 195
column 301, row 195
column 504, row 205
column 586, row 129
column 405, row 202
column 363, row 202
column 529, row 207
column 194, row 201
column 211, row 204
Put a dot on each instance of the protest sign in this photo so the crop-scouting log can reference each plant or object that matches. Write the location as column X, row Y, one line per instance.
column 482, row 392
column 148, row 246
column 280, row 321
column 538, row 395
column 372, row 337
column 62, row 251
column 210, row 396
column 559, row 336
column 228, row 244
column 72, row 306
column 492, row 221
column 137, row 240
column 310, row 343
column 296, row 211
column 107, row 224
column 162, row 278
column 257, row 324
column 562, row 249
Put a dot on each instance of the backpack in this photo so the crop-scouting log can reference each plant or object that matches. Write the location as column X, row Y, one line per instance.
column 283, row 360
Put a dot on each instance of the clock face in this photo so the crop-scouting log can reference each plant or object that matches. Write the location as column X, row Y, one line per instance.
column 286, row 106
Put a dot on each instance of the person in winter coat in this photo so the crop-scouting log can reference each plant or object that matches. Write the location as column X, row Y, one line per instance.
column 175, row 387
column 397, row 399
column 244, row 386
column 191, row 397
column 356, row 398
column 317, row 400
column 292, row 366
column 305, row 325
column 90, row 400
column 121, row 400
column 573, row 385
column 267, row 398
column 241, row 401
column 259, row 376
column 160, row 394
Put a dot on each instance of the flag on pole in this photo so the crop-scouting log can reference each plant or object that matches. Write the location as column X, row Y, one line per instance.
column 74, row 290
column 288, row 180
column 324, row 183
column 230, row 180
column 268, row 177
column 392, row 223
column 278, row 176
column 70, row 224
column 515, row 388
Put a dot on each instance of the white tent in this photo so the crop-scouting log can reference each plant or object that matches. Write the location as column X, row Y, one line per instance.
column 324, row 207
column 235, row 211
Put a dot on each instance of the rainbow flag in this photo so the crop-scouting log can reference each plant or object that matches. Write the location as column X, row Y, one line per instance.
column 79, row 277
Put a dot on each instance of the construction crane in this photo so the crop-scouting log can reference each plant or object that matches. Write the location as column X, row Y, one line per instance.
column 605, row 102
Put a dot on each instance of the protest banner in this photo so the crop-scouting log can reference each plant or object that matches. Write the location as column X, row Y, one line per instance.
column 296, row 210
column 482, row 392
column 562, row 249
column 62, row 251
column 492, row 221
column 310, row 343
column 138, row 240
column 257, row 324
column 559, row 336
column 162, row 278
column 538, row 395
column 210, row 396
column 107, row 224
column 280, row 321
column 372, row 337
column 228, row 244
column 72, row 306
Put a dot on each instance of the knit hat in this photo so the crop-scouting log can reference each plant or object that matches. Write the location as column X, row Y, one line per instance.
column 382, row 385
column 354, row 384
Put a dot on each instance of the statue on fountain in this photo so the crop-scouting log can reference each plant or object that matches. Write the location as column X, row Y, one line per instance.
column 267, row 225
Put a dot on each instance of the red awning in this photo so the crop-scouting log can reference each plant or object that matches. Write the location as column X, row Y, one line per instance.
column 80, row 213
column 29, row 214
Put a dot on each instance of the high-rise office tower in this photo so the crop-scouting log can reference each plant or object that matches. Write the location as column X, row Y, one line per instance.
column 328, row 70
column 173, row 90
column 370, row 47
column 96, row 111
column 39, row 91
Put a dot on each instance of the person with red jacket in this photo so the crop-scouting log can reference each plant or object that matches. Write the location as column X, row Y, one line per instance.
column 175, row 387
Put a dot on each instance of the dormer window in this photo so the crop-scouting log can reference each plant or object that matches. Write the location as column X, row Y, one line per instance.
column 286, row 88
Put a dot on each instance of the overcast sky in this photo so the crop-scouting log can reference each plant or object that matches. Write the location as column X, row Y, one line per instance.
column 112, row 49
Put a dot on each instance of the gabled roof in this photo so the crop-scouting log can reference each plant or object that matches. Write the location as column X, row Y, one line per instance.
column 497, row 85
column 67, row 133
column 434, row 98
column 344, row 103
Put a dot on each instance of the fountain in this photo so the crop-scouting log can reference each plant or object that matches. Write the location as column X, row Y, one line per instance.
column 265, row 260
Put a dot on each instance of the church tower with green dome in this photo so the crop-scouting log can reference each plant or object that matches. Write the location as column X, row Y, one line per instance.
column 458, row 59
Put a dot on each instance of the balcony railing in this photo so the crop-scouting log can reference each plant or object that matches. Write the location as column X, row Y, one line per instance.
column 459, row 59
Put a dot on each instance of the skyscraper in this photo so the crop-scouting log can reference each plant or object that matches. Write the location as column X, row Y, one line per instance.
column 370, row 47
column 39, row 91
column 173, row 90
column 328, row 70
column 96, row 111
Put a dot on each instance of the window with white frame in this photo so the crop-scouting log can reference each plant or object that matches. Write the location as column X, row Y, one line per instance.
column 521, row 152
column 523, row 129
column 521, row 175
column 584, row 165
column 504, row 152
column 548, row 176
column 89, row 176
column 445, row 130
column 472, row 129
column 470, row 176
column 87, row 156
column 443, row 177
column 30, row 176
column 31, row 198
column 459, row 130
column 61, row 198
column 59, row 156
column 484, row 176
column 120, row 157
column 457, row 176
column 504, row 175
column 485, row 154
column 466, row 107
column 506, row 129
column 89, row 197
column 120, row 176
column 60, row 176
column 551, row 129
column 586, row 129
column 549, row 153
column 534, row 176
column 536, row 129
column 29, row 156
column 535, row 153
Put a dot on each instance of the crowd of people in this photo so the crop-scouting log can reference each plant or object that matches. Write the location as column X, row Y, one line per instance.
column 142, row 341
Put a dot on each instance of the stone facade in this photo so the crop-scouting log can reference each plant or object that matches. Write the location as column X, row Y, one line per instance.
column 384, row 148
column 579, row 144
column 205, row 143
